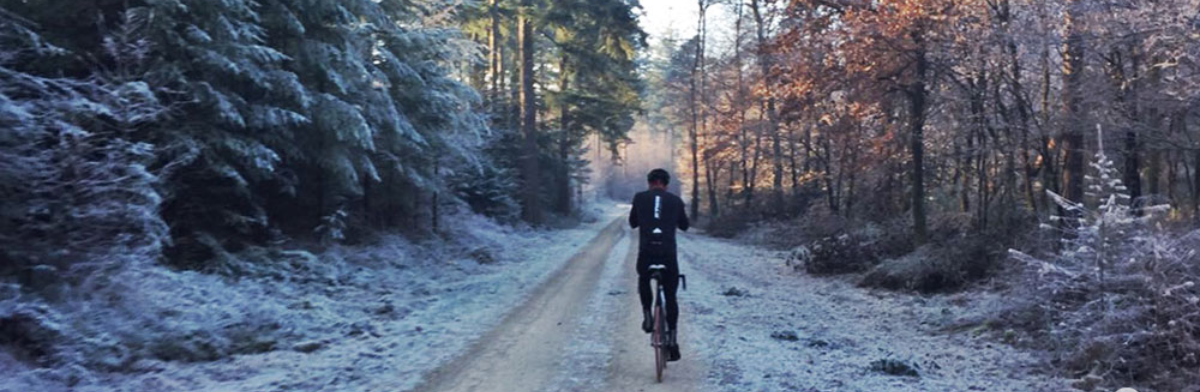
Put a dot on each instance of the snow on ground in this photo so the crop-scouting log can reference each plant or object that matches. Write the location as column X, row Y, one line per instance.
column 787, row 331
column 354, row 318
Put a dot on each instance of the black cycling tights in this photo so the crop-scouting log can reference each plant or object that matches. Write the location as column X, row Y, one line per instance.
column 670, row 285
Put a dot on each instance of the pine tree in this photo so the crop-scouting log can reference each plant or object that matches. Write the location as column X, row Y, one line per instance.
column 278, row 107
column 599, row 86
column 1105, row 220
column 77, row 189
column 240, row 108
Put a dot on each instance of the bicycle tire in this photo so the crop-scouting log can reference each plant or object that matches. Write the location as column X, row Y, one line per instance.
column 660, row 355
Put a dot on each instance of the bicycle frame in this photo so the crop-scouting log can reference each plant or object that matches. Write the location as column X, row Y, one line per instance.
column 661, row 329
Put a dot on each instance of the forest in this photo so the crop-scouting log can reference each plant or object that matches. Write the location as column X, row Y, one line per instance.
column 197, row 129
column 967, row 135
column 165, row 164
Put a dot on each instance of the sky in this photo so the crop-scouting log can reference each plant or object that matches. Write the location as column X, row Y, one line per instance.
column 661, row 16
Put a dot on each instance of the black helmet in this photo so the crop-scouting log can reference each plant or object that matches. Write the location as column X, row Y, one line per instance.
column 659, row 175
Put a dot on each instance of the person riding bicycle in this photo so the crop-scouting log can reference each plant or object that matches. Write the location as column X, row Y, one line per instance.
column 657, row 213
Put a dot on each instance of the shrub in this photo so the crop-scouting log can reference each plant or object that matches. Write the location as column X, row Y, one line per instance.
column 838, row 255
column 857, row 251
column 1122, row 292
column 728, row 225
column 936, row 268
column 816, row 223
column 920, row 270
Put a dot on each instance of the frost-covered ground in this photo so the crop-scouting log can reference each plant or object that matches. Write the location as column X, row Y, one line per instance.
column 385, row 316
column 355, row 318
column 748, row 323
column 765, row 327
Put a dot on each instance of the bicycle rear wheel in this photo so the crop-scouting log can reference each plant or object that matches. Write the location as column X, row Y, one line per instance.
column 660, row 346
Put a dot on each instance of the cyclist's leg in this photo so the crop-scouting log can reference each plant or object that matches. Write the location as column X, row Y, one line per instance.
column 643, row 271
column 670, row 286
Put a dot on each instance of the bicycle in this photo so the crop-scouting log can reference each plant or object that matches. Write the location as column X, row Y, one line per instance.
column 660, row 326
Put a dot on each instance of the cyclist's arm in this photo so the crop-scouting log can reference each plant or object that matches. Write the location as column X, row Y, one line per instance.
column 633, row 222
column 683, row 219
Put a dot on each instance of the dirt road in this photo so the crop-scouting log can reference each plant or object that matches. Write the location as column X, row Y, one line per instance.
column 549, row 342
column 747, row 323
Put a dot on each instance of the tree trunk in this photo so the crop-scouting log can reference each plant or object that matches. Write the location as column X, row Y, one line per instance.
column 1178, row 127
column 792, row 161
column 1155, row 162
column 853, row 182
column 983, row 186
column 1196, row 187
column 709, row 158
column 1047, row 148
column 964, row 202
column 531, row 210
column 1172, row 174
column 1154, row 173
column 565, row 143
column 692, row 92
column 513, row 114
column 744, row 137
column 695, row 147
column 917, row 138
column 495, row 57
column 957, row 182
column 1023, row 114
column 807, row 149
column 711, row 171
column 1133, row 169
column 980, row 150
column 754, row 162
column 827, row 167
column 732, row 183
column 1022, row 104
column 1126, row 99
column 765, row 63
column 1073, row 135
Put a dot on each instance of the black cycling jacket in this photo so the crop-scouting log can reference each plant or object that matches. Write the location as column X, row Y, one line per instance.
column 657, row 210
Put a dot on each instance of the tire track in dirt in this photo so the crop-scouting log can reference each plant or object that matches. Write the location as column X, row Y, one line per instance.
column 521, row 353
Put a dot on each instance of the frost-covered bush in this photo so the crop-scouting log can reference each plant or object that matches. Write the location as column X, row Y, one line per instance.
column 1119, row 300
column 919, row 270
column 817, row 222
column 937, row 267
column 858, row 250
column 839, row 254
column 727, row 225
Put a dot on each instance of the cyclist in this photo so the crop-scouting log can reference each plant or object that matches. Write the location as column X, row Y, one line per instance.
column 657, row 213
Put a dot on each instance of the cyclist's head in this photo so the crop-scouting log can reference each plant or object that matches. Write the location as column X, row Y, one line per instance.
column 658, row 177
